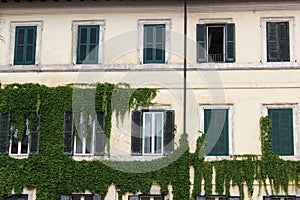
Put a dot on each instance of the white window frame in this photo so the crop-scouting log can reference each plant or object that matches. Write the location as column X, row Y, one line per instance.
column 83, row 153
column 141, row 23
column 263, row 25
column 153, row 133
column 294, row 107
column 75, row 24
column 39, row 28
column 20, row 143
column 230, row 108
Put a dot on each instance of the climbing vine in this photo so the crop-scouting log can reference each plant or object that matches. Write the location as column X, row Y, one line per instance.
column 53, row 173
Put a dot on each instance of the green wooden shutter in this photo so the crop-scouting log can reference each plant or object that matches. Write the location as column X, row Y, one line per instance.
column 100, row 138
column 25, row 45
column 201, row 43
column 282, row 131
column 4, row 132
column 169, row 132
column 68, row 132
column 278, row 45
column 136, row 132
column 35, row 137
column 154, row 43
column 229, row 42
column 216, row 128
column 88, row 44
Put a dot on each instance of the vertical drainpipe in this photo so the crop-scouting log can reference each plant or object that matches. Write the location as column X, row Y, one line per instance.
column 184, row 67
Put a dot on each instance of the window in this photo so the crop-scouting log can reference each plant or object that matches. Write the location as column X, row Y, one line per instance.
column 216, row 198
column 25, row 43
column 154, row 41
column 29, row 143
column 87, row 137
column 81, row 197
column 216, row 42
column 282, row 131
column 145, row 197
column 277, row 39
column 152, row 132
column 18, row 197
column 216, row 128
column 216, row 123
column 87, row 42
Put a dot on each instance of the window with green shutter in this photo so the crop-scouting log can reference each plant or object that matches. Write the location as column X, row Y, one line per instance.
column 88, row 44
column 25, row 45
column 154, row 43
column 282, row 131
column 216, row 129
column 215, row 42
column 152, row 132
column 278, row 42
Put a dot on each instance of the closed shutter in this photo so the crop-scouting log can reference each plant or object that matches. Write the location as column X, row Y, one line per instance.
column 169, row 132
column 65, row 197
column 100, row 138
column 68, row 132
column 282, row 131
column 133, row 197
column 4, row 132
column 87, row 44
column 136, row 132
column 230, row 43
column 154, row 43
column 201, row 43
column 35, row 137
column 25, row 45
column 216, row 128
column 278, row 45
column 97, row 197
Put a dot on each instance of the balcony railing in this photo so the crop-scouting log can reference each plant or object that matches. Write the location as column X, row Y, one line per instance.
column 215, row 57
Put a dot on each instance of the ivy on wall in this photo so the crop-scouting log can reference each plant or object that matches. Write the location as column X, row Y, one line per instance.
column 53, row 173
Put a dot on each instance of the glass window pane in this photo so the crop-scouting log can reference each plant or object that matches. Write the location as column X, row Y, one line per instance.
column 149, row 55
column 14, row 145
column 89, row 138
column 29, row 53
column 149, row 32
column 93, row 35
column 82, row 52
column 30, row 36
column 83, row 35
column 93, row 53
column 20, row 35
column 24, row 145
column 19, row 56
column 147, row 133
column 158, row 132
column 159, row 34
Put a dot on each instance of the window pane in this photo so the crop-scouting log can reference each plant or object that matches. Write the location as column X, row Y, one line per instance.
column 93, row 35
column 29, row 53
column 147, row 133
column 30, row 36
column 83, row 35
column 24, row 145
column 76, row 197
column 159, row 34
column 158, row 132
column 93, row 53
column 19, row 56
column 14, row 145
column 145, row 198
column 20, row 36
column 89, row 138
column 82, row 52
column 88, row 198
column 149, row 32
column 149, row 55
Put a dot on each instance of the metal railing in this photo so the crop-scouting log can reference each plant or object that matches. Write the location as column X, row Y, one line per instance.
column 215, row 57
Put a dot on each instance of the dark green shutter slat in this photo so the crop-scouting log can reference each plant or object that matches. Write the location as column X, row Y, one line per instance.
column 282, row 131
column 230, row 42
column 4, row 132
column 153, row 51
column 68, row 132
column 169, row 132
column 35, row 138
column 216, row 128
column 87, row 44
column 25, row 45
column 136, row 132
column 201, row 43
column 278, row 45
column 100, row 137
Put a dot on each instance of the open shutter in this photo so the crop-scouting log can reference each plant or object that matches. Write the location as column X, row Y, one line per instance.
column 65, row 197
column 275, row 118
column 133, row 197
column 230, row 42
column 169, row 132
column 4, row 132
column 136, row 132
column 216, row 128
column 201, row 43
column 68, row 132
column 97, row 197
column 100, row 138
column 35, row 137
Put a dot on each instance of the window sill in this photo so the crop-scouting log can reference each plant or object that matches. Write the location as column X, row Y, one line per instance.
column 117, row 158
column 19, row 156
